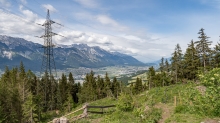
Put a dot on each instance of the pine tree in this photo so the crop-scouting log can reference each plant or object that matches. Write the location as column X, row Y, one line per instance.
column 176, row 63
column 30, row 110
column 115, row 87
column 23, row 84
column 191, row 62
column 138, row 86
column 203, row 49
column 162, row 70
column 71, row 83
column 167, row 66
column 150, row 77
column 162, row 66
column 100, row 87
column 216, row 56
column 69, row 104
column 108, row 85
column 88, row 91
column 10, row 101
column 73, row 89
column 63, row 88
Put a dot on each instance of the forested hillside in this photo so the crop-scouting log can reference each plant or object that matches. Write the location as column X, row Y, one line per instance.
column 193, row 76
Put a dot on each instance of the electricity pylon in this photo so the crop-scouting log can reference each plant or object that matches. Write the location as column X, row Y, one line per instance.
column 48, row 68
column 48, row 63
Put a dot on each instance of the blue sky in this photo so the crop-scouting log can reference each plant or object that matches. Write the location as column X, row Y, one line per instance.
column 144, row 29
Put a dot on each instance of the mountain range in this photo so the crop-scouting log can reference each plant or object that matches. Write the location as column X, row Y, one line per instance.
column 14, row 50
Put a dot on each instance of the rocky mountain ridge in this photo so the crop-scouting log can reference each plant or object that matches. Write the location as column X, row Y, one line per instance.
column 14, row 50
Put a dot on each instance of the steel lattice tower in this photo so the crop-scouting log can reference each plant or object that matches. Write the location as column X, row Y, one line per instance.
column 48, row 63
column 48, row 68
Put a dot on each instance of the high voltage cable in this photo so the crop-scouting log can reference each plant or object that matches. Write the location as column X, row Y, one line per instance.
column 28, row 8
column 15, row 16
column 83, row 24
column 31, row 22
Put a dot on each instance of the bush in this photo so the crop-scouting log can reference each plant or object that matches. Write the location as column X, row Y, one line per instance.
column 181, row 109
column 125, row 102
column 210, row 103
column 153, row 115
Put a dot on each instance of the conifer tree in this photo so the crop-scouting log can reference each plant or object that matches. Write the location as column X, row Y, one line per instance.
column 150, row 77
column 69, row 104
column 100, row 87
column 10, row 99
column 162, row 66
column 216, row 56
column 167, row 66
column 162, row 70
column 191, row 62
column 115, row 87
column 30, row 110
column 138, row 85
column 73, row 89
column 108, row 85
column 176, row 63
column 203, row 49
column 22, row 82
column 63, row 88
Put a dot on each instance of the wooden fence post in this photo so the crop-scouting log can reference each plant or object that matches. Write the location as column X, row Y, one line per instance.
column 174, row 100
column 180, row 101
column 85, row 112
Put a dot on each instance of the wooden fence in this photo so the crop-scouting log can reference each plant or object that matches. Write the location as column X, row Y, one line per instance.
column 85, row 109
column 101, row 107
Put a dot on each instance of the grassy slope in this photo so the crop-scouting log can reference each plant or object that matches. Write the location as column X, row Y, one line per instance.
column 158, row 101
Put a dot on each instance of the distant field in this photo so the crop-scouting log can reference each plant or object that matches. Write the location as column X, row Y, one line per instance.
column 122, row 73
column 142, row 76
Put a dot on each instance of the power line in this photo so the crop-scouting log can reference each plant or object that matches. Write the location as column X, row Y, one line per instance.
column 83, row 24
column 15, row 16
column 18, row 2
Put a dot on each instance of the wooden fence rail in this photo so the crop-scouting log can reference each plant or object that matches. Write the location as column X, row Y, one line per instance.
column 84, row 114
column 101, row 107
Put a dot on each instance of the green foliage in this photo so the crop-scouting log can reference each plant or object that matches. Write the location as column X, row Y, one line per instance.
column 204, row 102
column 203, row 49
column 212, row 81
column 184, row 118
column 176, row 64
column 30, row 110
column 125, row 102
column 138, row 86
column 191, row 62
column 153, row 115
column 69, row 104
column 181, row 109
column 216, row 56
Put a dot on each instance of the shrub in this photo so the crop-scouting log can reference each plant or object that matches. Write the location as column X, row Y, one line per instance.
column 125, row 102
column 181, row 109
column 210, row 101
column 153, row 115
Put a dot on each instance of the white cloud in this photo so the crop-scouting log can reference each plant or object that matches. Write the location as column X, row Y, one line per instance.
column 28, row 15
column 20, row 26
column 106, row 20
column 131, row 45
column 102, row 21
column 50, row 7
column 5, row 3
column 88, row 3
column 24, row 1
column 81, row 37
